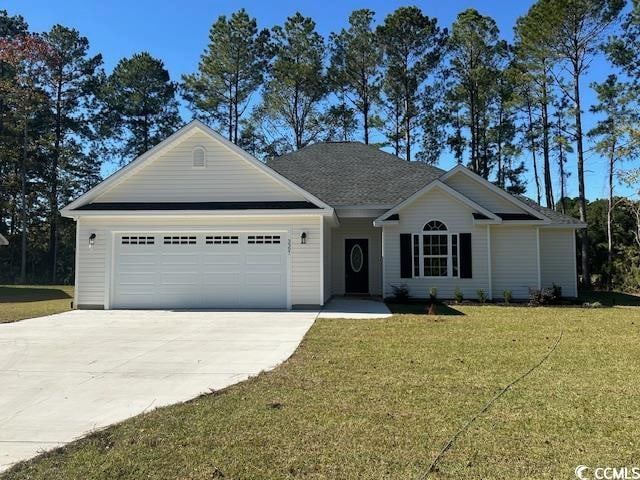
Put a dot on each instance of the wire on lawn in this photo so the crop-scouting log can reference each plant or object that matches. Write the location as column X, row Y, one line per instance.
column 469, row 422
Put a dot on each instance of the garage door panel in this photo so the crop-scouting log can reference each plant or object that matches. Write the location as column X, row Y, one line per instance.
column 200, row 270
column 264, row 258
column 220, row 259
column 222, row 277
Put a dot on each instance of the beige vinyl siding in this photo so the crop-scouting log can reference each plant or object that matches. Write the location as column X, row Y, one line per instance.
column 558, row 261
column 482, row 195
column 94, row 271
column 514, row 260
column 357, row 228
column 326, row 257
column 170, row 177
column 436, row 205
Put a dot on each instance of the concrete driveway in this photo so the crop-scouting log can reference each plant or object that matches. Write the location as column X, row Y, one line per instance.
column 65, row 375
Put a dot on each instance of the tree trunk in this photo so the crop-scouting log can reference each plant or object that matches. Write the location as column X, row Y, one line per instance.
column 23, row 201
column 473, row 131
column 582, row 199
column 548, row 185
column 365, row 108
column 610, row 218
column 533, row 150
column 53, row 221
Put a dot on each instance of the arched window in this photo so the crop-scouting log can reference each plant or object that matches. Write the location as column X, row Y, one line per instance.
column 434, row 226
column 435, row 251
column 199, row 157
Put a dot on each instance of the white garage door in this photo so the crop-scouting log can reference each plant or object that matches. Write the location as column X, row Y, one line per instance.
column 200, row 270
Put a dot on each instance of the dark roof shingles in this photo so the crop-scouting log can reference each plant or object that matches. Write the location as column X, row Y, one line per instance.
column 352, row 173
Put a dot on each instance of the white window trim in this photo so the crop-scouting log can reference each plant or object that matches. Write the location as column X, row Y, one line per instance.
column 204, row 157
column 449, row 256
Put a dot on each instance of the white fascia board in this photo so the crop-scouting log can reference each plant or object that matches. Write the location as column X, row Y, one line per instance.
column 200, row 213
column 445, row 188
column 495, row 189
column 564, row 226
column 382, row 223
column 140, row 161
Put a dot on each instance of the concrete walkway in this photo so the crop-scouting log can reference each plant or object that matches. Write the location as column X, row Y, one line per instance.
column 354, row 307
column 65, row 375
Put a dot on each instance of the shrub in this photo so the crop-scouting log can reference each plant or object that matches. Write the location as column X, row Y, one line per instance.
column 433, row 294
column 545, row 296
column 400, row 293
column 457, row 295
column 507, row 295
column 482, row 296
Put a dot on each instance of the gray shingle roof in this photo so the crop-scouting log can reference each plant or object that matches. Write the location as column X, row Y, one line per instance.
column 352, row 173
column 557, row 218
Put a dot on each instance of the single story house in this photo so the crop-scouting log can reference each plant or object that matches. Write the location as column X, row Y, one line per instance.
column 196, row 222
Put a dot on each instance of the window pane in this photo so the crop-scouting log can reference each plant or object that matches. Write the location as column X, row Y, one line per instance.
column 454, row 255
column 416, row 256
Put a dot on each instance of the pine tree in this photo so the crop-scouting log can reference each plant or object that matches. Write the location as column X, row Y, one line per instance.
column 139, row 106
column 290, row 113
column 70, row 80
column 413, row 46
column 230, row 71
column 356, row 58
column 615, row 141
column 477, row 55
column 577, row 30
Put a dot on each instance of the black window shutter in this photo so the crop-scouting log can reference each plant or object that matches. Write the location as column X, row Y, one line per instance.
column 406, row 256
column 465, row 255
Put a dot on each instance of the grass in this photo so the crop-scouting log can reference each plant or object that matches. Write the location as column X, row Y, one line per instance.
column 28, row 301
column 374, row 399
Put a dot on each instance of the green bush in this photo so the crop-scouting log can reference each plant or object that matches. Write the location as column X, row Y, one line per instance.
column 507, row 295
column 400, row 293
column 482, row 296
column 457, row 295
column 433, row 294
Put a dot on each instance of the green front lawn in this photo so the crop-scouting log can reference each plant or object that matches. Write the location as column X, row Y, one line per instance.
column 18, row 302
column 373, row 399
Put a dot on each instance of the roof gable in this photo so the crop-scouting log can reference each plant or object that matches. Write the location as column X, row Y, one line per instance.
column 166, row 174
column 487, row 194
column 435, row 185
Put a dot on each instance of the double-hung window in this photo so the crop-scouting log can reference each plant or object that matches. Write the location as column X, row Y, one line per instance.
column 435, row 251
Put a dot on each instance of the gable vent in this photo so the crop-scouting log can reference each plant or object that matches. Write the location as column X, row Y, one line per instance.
column 199, row 160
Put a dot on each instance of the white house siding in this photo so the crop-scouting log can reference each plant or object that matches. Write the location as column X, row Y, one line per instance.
column 327, row 233
column 481, row 194
column 356, row 228
column 93, row 271
column 436, row 205
column 514, row 260
column 171, row 178
column 558, row 260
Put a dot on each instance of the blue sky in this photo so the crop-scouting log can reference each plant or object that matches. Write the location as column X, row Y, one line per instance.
column 176, row 32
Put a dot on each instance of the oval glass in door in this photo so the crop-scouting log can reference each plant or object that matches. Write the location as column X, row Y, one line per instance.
column 356, row 258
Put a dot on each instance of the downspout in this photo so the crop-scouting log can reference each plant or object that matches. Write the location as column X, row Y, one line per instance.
column 490, row 274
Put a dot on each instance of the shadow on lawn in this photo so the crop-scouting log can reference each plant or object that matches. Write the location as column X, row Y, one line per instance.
column 420, row 308
column 31, row 294
column 610, row 299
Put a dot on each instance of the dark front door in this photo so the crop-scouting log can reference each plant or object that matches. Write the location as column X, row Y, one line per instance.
column 356, row 265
